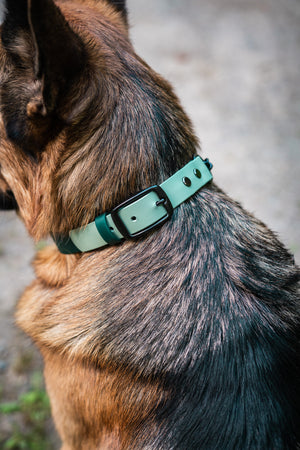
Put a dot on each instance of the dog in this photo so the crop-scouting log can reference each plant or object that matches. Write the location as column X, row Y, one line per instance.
column 166, row 315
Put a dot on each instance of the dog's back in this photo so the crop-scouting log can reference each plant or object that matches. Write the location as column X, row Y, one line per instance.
column 186, row 338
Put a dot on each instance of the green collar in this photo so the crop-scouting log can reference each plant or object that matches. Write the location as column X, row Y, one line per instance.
column 141, row 213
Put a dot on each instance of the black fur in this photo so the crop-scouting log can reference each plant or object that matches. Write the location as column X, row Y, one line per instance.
column 60, row 50
column 15, row 19
column 7, row 201
column 225, row 332
column 54, row 58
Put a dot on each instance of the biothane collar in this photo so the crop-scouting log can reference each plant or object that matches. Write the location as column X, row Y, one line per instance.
column 139, row 214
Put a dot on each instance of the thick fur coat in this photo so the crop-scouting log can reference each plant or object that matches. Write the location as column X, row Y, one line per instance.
column 187, row 338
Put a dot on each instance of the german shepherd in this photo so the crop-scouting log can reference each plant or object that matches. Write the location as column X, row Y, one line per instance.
column 183, row 337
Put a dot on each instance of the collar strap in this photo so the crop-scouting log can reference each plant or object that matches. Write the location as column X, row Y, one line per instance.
column 139, row 214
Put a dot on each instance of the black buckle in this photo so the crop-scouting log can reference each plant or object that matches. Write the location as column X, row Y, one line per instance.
column 208, row 164
column 206, row 161
column 163, row 200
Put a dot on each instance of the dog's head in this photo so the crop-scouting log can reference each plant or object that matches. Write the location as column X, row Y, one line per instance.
column 44, row 60
column 84, row 122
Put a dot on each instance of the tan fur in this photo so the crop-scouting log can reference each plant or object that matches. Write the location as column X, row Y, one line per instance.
column 52, row 267
column 112, row 407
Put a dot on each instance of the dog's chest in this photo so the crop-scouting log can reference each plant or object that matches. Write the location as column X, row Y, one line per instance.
column 101, row 408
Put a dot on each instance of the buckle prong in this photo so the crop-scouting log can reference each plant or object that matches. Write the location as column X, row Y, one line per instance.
column 161, row 202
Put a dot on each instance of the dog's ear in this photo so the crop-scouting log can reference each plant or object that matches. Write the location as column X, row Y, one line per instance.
column 45, row 56
column 59, row 52
column 15, row 19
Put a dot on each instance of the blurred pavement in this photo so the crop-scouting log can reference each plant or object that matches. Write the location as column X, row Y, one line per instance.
column 235, row 65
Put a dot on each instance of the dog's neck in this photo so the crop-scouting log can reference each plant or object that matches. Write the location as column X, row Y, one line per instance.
column 120, row 129
column 140, row 214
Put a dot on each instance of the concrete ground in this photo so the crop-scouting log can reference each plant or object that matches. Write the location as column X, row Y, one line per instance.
column 235, row 64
